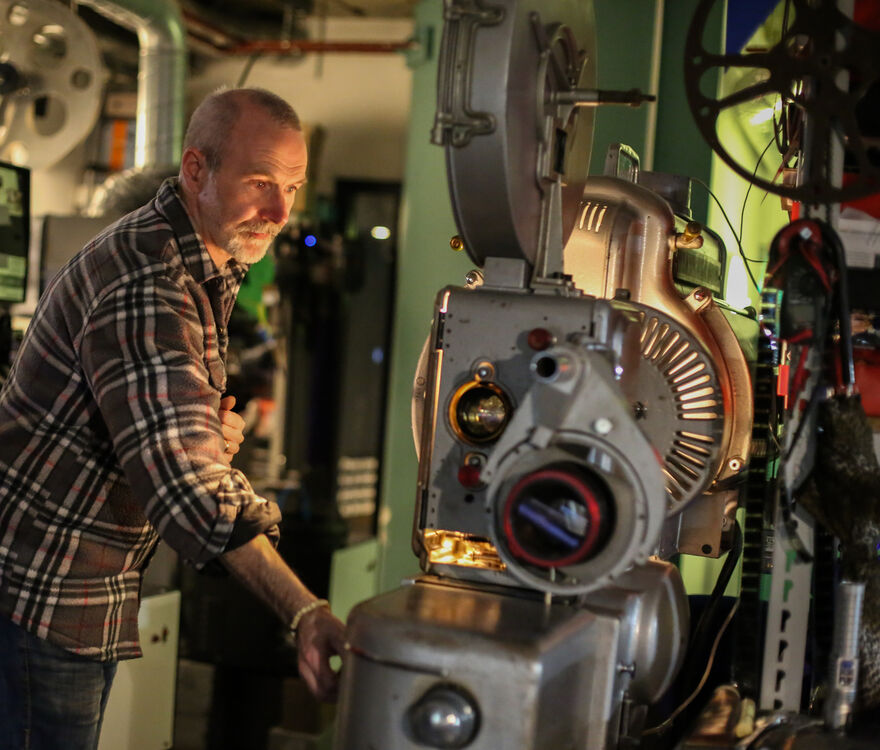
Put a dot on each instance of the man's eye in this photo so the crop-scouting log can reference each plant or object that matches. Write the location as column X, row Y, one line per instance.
column 292, row 189
column 260, row 184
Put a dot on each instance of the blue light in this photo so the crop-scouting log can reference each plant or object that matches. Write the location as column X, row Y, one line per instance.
column 310, row 240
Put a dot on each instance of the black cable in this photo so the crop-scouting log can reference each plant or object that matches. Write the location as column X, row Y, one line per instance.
column 732, row 230
column 668, row 723
column 723, row 579
column 783, row 142
column 696, row 647
column 847, row 362
column 742, row 213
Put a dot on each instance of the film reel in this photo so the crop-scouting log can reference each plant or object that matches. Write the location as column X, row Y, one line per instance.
column 510, row 75
column 51, row 78
column 806, row 69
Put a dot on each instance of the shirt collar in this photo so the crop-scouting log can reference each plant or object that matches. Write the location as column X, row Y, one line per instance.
column 193, row 252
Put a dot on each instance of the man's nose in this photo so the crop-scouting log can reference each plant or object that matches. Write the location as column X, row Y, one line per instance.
column 276, row 207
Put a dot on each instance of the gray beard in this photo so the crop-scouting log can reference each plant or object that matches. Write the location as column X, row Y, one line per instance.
column 237, row 249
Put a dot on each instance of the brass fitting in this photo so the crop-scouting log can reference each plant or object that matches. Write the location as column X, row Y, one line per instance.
column 691, row 238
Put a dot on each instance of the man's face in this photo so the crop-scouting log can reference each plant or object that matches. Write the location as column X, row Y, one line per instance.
column 245, row 203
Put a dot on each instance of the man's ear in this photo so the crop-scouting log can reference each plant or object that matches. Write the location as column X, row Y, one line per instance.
column 193, row 169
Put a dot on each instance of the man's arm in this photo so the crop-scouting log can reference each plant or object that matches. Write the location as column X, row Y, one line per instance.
column 320, row 635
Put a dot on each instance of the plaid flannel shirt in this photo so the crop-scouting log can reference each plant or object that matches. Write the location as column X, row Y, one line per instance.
column 110, row 435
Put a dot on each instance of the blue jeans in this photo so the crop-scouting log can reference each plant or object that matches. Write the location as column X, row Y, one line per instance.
column 50, row 698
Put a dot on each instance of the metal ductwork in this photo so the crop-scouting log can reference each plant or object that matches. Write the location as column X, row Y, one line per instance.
column 161, row 72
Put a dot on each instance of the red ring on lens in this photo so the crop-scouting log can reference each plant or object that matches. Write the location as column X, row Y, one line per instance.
column 585, row 493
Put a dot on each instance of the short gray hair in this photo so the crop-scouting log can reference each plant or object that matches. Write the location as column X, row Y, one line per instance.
column 214, row 118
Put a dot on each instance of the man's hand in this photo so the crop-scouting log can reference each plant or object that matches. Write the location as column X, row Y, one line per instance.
column 258, row 566
column 233, row 428
column 319, row 636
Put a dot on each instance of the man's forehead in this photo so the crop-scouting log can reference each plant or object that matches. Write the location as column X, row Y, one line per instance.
column 282, row 154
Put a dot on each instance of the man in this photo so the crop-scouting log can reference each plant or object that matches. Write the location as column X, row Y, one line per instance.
column 113, row 431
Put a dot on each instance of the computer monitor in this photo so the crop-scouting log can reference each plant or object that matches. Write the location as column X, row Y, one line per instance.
column 15, row 224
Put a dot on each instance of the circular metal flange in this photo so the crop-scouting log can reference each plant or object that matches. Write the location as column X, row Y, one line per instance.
column 626, row 541
column 804, row 69
column 54, row 99
column 677, row 402
column 507, row 137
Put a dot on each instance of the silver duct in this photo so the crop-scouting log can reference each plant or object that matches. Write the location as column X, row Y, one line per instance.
column 161, row 71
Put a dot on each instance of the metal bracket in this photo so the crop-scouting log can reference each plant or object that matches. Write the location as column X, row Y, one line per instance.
column 787, row 617
column 454, row 121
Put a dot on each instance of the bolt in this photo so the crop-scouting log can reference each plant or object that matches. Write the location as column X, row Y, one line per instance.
column 692, row 229
column 485, row 371
column 603, row 425
column 456, row 243
column 473, row 277
column 475, row 459
column 18, row 15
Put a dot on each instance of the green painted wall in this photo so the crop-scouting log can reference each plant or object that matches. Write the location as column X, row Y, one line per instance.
column 426, row 263
column 625, row 35
column 680, row 149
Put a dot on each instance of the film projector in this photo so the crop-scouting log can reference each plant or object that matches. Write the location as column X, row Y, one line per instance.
column 582, row 418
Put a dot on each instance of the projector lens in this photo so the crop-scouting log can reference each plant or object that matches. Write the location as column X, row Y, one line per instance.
column 557, row 516
column 479, row 412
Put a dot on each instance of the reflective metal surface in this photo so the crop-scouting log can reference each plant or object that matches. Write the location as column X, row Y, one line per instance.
column 540, row 676
column 52, row 101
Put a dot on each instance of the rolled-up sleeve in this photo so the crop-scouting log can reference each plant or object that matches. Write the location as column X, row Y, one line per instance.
column 143, row 352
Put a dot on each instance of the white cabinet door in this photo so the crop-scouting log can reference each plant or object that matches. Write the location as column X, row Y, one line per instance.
column 140, row 712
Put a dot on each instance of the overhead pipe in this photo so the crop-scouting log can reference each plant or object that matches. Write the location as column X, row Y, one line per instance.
column 161, row 73
column 226, row 44
column 280, row 47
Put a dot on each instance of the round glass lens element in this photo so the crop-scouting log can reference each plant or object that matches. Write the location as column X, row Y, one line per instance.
column 479, row 412
column 444, row 717
column 557, row 516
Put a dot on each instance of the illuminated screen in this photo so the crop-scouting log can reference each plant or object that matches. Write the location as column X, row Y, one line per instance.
column 14, row 231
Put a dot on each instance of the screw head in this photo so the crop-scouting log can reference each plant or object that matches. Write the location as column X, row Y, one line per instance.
column 18, row 14
column 484, row 371
column 602, row 425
